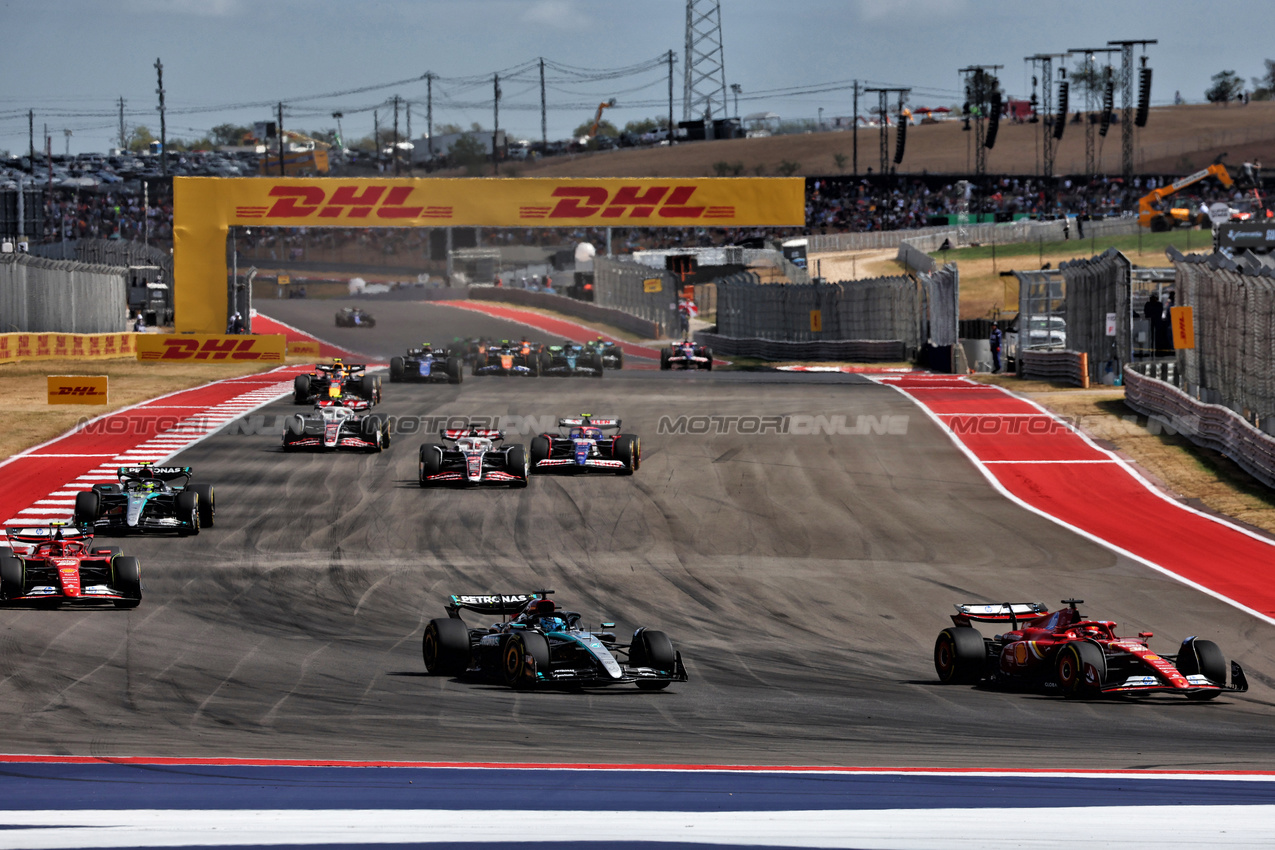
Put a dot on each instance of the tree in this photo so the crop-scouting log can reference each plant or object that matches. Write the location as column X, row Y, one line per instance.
column 840, row 159
column 1264, row 87
column 605, row 128
column 470, row 154
column 1227, row 86
column 229, row 134
column 646, row 125
column 139, row 139
column 1088, row 77
column 447, row 129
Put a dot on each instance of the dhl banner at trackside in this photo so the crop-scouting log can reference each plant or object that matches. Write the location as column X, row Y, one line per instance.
column 204, row 208
column 1183, row 321
column 51, row 346
column 211, row 348
column 77, row 389
column 305, row 347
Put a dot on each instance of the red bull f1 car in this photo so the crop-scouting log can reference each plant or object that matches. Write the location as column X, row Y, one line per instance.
column 686, row 355
column 56, row 565
column 337, row 424
column 336, row 380
column 1063, row 652
column 581, row 446
column 535, row 643
column 473, row 458
column 148, row 499
column 427, row 364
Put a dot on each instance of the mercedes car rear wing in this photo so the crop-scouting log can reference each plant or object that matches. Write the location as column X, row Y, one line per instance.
column 494, row 604
column 162, row 473
column 998, row 612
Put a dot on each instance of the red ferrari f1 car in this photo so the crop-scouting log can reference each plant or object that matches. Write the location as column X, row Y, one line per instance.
column 56, row 565
column 1064, row 652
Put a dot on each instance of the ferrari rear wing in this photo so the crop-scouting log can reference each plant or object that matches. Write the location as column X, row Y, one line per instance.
column 998, row 612
column 495, row 604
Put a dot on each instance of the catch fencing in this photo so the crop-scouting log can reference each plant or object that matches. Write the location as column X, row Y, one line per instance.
column 942, row 305
column 928, row 239
column 108, row 252
column 641, row 291
column 1233, row 361
column 887, row 308
column 39, row 295
column 1095, row 289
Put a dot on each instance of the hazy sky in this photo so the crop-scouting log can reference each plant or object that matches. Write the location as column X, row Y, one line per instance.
column 225, row 60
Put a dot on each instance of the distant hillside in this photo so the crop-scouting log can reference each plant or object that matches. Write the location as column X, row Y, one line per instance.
column 1177, row 139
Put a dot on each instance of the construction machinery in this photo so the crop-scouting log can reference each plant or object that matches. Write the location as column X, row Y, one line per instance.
column 306, row 155
column 597, row 119
column 1152, row 215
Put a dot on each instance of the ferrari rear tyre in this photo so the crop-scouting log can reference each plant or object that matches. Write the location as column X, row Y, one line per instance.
column 12, row 575
column 301, row 389
column 188, row 512
column 628, row 449
column 1202, row 658
column 207, row 504
column 128, row 580
column 522, row 655
column 88, row 506
column 396, row 369
column 445, row 647
column 960, row 656
column 657, row 653
column 516, row 464
column 1080, row 669
column 431, row 462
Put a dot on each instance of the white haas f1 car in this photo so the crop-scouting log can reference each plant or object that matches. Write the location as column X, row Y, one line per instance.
column 686, row 355
column 337, row 424
column 583, row 447
column 473, row 459
column 535, row 643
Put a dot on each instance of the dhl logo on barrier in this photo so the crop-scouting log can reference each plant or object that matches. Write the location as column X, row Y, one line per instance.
column 51, row 346
column 211, row 348
column 388, row 202
column 626, row 202
column 296, row 346
column 77, row 389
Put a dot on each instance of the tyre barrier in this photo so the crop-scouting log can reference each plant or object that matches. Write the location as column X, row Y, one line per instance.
column 1209, row 425
column 1071, row 367
column 570, row 306
column 853, row 350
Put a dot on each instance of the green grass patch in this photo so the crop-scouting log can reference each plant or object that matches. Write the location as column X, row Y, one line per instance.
column 1141, row 244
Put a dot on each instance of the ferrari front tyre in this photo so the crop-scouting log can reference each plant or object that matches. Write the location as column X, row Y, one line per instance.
column 127, row 577
column 396, row 369
column 657, row 653
column 516, row 464
column 1080, row 669
column 522, row 655
column 960, row 656
column 445, row 647
column 431, row 461
column 627, row 450
column 1199, row 657
column 188, row 512
column 455, row 370
column 12, row 575
column 207, row 504
column 301, row 389
column 540, row 448
column 88, row 507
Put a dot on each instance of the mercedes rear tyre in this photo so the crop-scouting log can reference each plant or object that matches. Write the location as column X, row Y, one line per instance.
column 188, row 513
column 522, row 656
column 1080, row 669
column 207, row 504
column 445, row 647
column 88, row 506
column 960, row 655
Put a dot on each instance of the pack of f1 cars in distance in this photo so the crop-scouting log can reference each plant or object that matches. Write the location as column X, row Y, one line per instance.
column 612, row 354
column 509, row 358
column 426, row 363
column 571, row 359
column 1062, row 652
column 354, row 317
column 335, row 380
column 536, row 643
column 147, row 498
column 57, row 564
column 686, row 355
column 337, row 424
column 582, row 446
column 473, row 458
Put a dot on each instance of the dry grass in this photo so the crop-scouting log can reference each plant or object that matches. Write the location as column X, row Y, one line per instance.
column 24, row 388
column 1200, row 477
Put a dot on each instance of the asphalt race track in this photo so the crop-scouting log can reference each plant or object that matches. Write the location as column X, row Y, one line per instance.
column 803, row 577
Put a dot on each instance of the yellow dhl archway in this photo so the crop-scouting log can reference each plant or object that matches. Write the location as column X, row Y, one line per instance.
column 205, row 208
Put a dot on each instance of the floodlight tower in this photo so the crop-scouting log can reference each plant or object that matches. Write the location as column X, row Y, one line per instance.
column 884, row 94
column 1126, row 101
column 1044, row 63
column 704, row 88
column 1092, row 98
column 980, row 82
